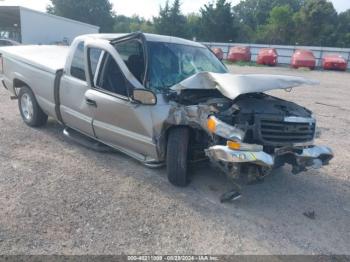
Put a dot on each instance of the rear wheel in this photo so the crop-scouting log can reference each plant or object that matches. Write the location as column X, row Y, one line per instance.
column 177, row 156
column 29, row 108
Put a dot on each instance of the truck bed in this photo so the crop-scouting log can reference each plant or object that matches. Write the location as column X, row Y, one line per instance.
column 36, row 66
column 48, row 58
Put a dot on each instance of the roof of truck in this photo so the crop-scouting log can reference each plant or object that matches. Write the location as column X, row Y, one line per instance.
column 149, row 37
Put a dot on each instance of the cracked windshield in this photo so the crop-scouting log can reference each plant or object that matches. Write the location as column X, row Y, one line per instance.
column 172, row 63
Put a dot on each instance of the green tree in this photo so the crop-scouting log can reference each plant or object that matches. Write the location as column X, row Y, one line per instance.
column 143, row 26
column 254, row 13
column 171, row 21
column 217, row 22
column 124, row 24
column 245, row 34
column 193, row 25
column 96, row 12
column 162, row 21
column 279, row 28
column 343, row 30
column 316, row 23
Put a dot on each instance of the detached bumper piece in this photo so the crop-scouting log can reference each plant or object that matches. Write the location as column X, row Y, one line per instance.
column 300, row 158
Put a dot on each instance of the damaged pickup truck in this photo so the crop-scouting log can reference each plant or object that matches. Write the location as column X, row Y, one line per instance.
column 163, row 100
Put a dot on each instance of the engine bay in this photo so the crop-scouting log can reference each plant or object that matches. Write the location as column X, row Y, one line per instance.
column 265, row 119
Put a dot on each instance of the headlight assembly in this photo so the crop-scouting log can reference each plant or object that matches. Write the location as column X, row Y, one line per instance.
column 218, row 127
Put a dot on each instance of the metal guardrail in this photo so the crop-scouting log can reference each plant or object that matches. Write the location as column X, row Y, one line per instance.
column 285, row 52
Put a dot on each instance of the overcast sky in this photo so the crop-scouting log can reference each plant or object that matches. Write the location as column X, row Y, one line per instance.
column 149, row 9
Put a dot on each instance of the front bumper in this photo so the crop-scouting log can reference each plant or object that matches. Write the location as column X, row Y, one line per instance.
column 299, row 158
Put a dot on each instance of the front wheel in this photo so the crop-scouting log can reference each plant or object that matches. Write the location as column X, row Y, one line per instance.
column 29, row 108
column 177, row 156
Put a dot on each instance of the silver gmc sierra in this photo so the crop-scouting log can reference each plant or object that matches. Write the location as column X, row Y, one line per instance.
column 163, row 100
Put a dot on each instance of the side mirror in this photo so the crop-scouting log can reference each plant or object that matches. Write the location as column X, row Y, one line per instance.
column 144, row 97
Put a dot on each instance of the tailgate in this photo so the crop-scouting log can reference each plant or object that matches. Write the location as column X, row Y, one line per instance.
column 4, row 81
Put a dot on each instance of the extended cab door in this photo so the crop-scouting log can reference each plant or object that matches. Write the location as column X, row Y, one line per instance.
column 117, row 120
column 75, row 109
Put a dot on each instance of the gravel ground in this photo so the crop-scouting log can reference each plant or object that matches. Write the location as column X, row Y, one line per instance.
column 57, row 197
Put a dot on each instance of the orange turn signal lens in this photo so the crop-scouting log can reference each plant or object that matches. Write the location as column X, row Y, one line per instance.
column 211, row 124
column 233, row 145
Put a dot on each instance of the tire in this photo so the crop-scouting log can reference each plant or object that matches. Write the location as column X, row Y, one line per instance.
column 177, row 156
column 29, row 108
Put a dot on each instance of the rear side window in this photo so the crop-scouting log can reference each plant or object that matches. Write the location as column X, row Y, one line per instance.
column 77, row 69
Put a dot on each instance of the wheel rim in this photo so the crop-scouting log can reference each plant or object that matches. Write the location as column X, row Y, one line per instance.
column 27, row 107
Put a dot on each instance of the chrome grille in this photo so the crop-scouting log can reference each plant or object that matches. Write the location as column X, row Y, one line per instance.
column 282, row 132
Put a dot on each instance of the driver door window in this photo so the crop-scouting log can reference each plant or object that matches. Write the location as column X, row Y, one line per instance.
column 132, row 54
column 111, row 78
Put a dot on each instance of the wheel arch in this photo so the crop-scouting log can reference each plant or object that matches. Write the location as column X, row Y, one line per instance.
column 18, row 84
column 163, row 140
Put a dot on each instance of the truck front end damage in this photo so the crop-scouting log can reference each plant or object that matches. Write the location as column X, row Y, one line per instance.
column 266, row 144
column 247, row 129
column 301, row 158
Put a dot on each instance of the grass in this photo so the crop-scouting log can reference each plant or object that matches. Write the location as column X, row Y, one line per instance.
column 242, row 63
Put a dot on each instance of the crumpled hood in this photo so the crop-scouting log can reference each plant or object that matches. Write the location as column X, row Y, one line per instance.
column 233, row 85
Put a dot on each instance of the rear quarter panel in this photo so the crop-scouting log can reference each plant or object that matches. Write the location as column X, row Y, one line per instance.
column 17, row 73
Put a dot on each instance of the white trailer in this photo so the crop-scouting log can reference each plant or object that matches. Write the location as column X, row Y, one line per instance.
column 28, row 26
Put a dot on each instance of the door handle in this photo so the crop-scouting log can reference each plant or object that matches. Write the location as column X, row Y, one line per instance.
column 90, row 102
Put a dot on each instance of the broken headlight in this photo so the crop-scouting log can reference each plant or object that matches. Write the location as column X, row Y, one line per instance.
column 220, row 128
